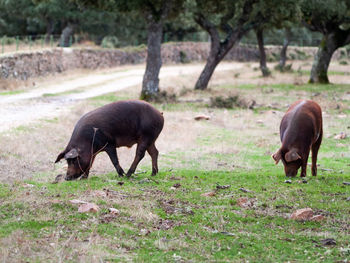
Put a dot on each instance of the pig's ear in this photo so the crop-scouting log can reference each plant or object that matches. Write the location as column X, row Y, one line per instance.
column 291, row 156
column 60, row 156
column 71, row 154
column 277, row 156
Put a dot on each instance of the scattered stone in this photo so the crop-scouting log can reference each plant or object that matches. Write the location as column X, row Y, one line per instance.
column 99, row 193
column 288, row 181
column 77, row 202
column 348, row 199
column 209, row 194
column 346, row 183
column 55, row 201
column 202, row 117
column 113, row 211
column 317, row 218
column 88, row 207
column 244, row 202
column 302, row 214
column 144, row 232
column 222, row 186
column 59, row 178
column 260, row 122
column 28, row 185
column 328, row 242
column 340, row 136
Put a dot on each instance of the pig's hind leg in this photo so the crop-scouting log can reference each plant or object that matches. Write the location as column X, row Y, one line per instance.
column 315, row 147
column 141, row 148
column 153, row 152
column 112, row 153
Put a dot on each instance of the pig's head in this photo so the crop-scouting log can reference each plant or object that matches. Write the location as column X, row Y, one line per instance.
column 291, row 161
column 78, row 163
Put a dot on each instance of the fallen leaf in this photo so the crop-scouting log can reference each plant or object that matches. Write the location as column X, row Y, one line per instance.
column 175, row 178
column 177, row 185
column 328, row 242
column 28, row 185
column 120, row 183
column 209, row 194
column 201, row 117
column 88, row 207
column 222, row 186
column 77, row 202
column 317, row 218
column 302, row 214
column 244, row 202
column 99, row 193
column 245, row 190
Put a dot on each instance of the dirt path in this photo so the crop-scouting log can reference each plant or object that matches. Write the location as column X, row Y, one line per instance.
column 51, row 100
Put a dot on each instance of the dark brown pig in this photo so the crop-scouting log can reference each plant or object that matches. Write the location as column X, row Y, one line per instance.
column 121, row 123
column 300, row 131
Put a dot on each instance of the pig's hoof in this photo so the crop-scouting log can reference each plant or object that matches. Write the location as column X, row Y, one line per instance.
column 128, row 174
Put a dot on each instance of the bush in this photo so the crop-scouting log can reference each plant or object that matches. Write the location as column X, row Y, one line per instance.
column 110, row 42
column 8, row 40
column 229, row 102
column 183, row 57
column 343, row 62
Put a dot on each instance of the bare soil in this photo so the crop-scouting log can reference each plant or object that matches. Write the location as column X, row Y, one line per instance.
column 36, row 124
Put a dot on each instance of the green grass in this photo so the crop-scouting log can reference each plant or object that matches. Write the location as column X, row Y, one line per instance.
column 12, row 92
column 201, row 228
column 160, row 223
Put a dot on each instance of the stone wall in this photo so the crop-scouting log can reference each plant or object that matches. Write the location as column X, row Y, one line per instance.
column 26, row 65
column 33, row 64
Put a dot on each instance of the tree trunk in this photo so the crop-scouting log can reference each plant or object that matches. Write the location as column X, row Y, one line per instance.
column 50, row 26
column 150, row 83
column 322, row 59
column 213, row 60
column 263, row 67
column 218, row 50
column 283, row 54
column 66, row 36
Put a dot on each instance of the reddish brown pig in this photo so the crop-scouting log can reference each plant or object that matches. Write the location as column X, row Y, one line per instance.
column 300, row 131
column 122, row 123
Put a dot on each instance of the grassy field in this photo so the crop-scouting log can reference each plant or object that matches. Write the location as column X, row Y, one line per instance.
column 167, row 218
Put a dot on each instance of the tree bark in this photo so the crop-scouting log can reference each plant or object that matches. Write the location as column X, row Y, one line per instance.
column 50, row 26
column 283, row 54
column 217, row 52
column 218, row 49
column 67, row 34
column 263, row 66
column 150, row 83
column 329, row 44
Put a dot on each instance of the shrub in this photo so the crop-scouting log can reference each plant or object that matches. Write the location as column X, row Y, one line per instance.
column 110, row 42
